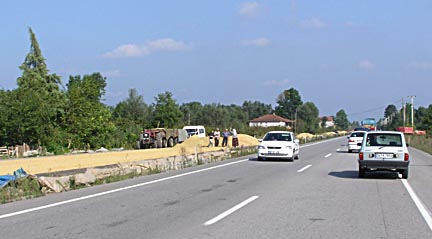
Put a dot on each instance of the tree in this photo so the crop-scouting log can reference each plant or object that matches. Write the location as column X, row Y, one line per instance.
column 133, row 109
column 8, row 118
column 390, row 111
column 288, row 102
column 341, row 120
column 323, row 122
column 214, row 115
column 309, row 114
column 130, row 116
column 256, row 109
column 393, row 118
column 87, row 120
column 192, row 113
column 166, row 111
column 424, row 118
column 35, row 69
column 39, row 100
column 237, row 118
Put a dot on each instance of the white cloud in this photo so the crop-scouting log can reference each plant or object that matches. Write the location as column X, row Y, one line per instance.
column 420, row 65
column 349, row 24
column 366, row 65
column 256, row 42
column 113, row 73
column 249, row 9
column 166, row 44
column 313, row 23
column 133, row 50
column 277, row 82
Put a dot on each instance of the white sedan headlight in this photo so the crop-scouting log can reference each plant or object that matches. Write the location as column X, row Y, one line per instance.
column 261, row 147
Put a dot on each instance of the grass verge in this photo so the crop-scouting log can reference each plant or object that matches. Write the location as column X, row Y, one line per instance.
column 422, row 142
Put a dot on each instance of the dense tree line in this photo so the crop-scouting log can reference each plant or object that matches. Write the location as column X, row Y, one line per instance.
column 42, row 111
column 394, row 118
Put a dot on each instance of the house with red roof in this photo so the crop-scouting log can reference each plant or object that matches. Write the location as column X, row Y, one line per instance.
column 271, row 120
column 329, row 122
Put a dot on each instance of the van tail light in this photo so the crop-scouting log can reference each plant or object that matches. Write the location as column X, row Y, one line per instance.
column 361, row 156
column 406, row 158
column 351, row 140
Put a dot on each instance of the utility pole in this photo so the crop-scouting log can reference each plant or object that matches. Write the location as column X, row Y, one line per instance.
column 412, row 109
column 189, row 118
column 403, row 105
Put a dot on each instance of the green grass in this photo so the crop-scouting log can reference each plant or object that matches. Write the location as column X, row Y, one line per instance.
column 23, row 188
column 422, row 142
column 243, row 151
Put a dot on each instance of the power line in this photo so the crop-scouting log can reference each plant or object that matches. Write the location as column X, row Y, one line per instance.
column 371, row 110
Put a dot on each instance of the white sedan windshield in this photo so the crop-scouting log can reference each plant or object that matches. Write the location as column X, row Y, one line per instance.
column 277, row 137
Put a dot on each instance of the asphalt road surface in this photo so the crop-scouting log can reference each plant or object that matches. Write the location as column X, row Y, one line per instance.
column 317, row 196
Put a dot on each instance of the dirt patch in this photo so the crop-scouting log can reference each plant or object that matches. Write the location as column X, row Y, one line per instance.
column 49, row 164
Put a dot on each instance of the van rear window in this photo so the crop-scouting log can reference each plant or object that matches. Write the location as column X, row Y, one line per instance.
column 392, row 140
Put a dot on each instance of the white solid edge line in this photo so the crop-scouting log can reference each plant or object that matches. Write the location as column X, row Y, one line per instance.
column 230, row 211
column 423, row 210
column 328, row 155
column 114, row 190
column 304, row 168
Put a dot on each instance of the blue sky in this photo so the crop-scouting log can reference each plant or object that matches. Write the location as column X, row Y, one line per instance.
column 359, row 56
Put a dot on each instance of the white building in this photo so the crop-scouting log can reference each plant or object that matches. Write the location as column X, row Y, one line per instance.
column 329, row 122
column 271, row 120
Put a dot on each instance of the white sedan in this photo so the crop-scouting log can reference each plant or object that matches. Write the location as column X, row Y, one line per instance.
column 278, row 145
column 354, row 139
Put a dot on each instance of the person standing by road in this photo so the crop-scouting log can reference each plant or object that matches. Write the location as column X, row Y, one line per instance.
column 235, row 142
column 216, row 137
column 225, row 136
column 211, row 135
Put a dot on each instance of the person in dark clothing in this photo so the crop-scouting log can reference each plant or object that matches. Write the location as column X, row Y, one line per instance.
column 225, row 136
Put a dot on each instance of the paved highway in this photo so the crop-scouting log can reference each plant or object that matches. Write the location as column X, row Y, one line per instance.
column 317, row 196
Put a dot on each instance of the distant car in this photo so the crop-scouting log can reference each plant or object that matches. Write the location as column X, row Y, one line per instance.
column 361, row 129
column 384, row 151
column 353, row 140
column 278, row 145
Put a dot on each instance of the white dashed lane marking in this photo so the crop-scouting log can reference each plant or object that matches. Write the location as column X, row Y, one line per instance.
column 304, row 168
column 230, row 211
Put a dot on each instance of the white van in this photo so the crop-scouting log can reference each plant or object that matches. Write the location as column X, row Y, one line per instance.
column 195, row 130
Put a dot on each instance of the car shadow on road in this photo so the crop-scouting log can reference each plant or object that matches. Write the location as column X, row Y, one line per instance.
column 345, row 151
column 353, row 174
column 270, row 160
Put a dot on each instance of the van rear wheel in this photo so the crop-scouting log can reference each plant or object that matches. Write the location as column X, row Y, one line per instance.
column 405, row 173
column 362, row 172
